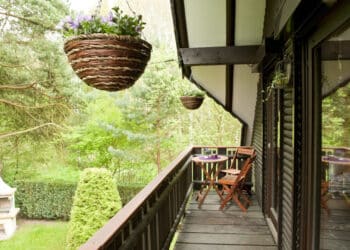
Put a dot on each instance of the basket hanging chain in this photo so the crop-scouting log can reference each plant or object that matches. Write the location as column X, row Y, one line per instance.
column 134, row 13
column 98, row 8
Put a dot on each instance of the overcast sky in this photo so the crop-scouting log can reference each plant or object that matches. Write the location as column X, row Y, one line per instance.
column 86, row 6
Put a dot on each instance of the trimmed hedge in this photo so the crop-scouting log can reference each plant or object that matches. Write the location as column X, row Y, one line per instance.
column 53, row 199
column 127, row 192
column 96, row 200
column 44, row 199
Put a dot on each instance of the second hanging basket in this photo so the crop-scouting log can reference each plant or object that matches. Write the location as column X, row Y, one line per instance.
column 106, row 61
column 192, row 102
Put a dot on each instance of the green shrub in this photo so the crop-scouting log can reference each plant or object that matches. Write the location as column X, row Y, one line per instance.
column 96, row 200
column 44, row 199
column 127, row 192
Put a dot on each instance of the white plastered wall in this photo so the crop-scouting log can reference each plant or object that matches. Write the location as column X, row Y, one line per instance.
column 248, row 31
column 206, row 27
column 244, row 96
column 213, row 79
column 249, row 22
column 206, row 22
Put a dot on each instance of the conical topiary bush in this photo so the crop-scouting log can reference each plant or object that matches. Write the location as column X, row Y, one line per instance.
column 96, row 200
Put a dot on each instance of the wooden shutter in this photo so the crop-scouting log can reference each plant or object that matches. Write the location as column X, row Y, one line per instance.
column 287, row 233
column 257, row 142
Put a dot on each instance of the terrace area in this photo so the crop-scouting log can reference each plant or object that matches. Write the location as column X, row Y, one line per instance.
column 166, row 207
column 210, row 228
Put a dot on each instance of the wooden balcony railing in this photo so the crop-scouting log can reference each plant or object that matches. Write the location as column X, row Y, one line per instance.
column 338, row 151
column 150, row 219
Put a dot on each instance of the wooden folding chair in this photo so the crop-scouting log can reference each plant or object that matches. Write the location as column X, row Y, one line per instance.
column 324, row 196
column 241, row 152
column 233, row 185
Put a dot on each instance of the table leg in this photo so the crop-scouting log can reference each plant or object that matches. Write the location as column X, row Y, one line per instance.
column 216, row 187
column 207, row 183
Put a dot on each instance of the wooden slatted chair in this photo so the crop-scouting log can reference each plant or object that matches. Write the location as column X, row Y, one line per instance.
column 324, row 196
column 234, row 184
column 241, row 152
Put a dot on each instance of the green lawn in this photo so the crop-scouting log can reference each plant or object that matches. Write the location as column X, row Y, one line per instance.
column 46, row 236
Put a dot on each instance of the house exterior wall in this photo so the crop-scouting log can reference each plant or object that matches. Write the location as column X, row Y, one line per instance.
column 244, row 96
column 257, row 143
column 206, row 22
column 212, row 79
column 289, row 29
column 300, row 136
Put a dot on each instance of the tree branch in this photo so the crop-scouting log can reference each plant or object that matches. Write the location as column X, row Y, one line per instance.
column 11, row 65
column 27, row 20
column 18, row 87
column 19, row 105
column 4, row 135
column 41, row 92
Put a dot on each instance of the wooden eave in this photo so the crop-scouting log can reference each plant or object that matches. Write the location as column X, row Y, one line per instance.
column 228, row 55
column 220, row 55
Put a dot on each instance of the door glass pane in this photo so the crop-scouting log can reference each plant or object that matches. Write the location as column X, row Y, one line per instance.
column 335, row 167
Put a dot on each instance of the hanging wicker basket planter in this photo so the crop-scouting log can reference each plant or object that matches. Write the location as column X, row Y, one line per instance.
column 192, row 102
column 106, row 61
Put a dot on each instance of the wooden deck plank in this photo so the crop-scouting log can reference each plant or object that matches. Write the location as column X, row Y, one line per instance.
column 336, row 235
column 335, row 244
column 226, row 239
column 226, row 229
column 229, row 220
column 225, row 214
column 215, row 207
column 335, row 229
column 186, row 246
column 210, row 228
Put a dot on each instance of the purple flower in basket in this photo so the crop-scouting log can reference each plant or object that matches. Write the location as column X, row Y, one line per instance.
column 114, row 23
column 79, row 19
column 65, row 23
column 138, row 28
column 108, row 19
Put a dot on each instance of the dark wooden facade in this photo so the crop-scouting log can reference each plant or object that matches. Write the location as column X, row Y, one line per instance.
column 298, row 225
column 287, row 123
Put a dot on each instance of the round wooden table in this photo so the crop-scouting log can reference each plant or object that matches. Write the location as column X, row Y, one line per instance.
column 211, row 173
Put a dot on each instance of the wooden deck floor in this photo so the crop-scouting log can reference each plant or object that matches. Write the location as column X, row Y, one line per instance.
column 209, row 228
column 335, row 229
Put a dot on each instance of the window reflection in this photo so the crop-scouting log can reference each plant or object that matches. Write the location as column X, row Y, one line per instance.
column 335, row 181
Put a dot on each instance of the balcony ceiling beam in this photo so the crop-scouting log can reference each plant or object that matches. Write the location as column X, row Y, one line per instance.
column 220, row 55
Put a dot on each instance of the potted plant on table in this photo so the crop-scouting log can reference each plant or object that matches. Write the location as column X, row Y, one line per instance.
column 192, row 99
column 107, row 52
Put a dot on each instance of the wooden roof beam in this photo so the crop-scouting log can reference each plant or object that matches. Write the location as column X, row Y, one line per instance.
column 230, row 41
column 220, row 55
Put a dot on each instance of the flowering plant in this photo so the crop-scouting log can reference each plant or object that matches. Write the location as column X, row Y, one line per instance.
column 193, row 92
column 115, row 23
